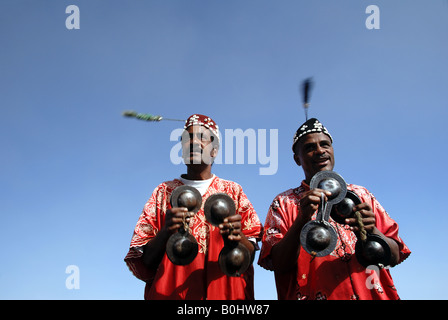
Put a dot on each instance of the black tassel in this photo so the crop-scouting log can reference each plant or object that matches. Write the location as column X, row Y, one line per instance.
column 307, row 85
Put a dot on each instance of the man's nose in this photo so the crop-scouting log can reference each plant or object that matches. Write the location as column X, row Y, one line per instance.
column 320, row 150
column 195, row 143
column 195, row 146
column 196, row 139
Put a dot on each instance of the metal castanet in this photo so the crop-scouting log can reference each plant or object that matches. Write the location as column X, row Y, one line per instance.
column 187, row 197
column 182, row 247
column 217, row 207
column 234, row 258
column 345, row 208
column 373, row 251
column 318, row 237
column 370, row 249
column 330, row 181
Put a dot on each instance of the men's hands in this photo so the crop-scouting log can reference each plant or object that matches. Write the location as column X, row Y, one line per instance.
column 154, row 250
column 310, row 202
column 175, row 218
column 368, row 218
column 231, row 227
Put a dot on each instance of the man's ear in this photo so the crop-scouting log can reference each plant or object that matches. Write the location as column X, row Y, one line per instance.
column 215, row 145
column 214, row 152
column 297, row 160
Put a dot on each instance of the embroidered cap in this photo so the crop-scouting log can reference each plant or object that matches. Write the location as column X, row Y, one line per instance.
column 201, row 120
column 310, row 126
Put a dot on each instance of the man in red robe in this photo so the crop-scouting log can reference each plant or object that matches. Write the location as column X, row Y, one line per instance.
column 202, row 278
column 339, row 275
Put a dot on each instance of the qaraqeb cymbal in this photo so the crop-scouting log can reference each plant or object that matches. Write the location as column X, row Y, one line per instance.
column 234, row 259
column 187, row 197
column 330, row 181
column 318, row 238
column 217, row 207
column 344, row 209
column 181, row 248
column 373, row 251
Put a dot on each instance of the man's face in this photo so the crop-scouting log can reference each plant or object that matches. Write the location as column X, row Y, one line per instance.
column 314, row 152
column 198, row 146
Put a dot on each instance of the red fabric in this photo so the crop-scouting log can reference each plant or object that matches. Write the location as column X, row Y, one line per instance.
column 201, row 120
column 201, row 279
column 338, row 275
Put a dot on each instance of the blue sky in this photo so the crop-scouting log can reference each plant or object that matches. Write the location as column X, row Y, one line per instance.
column 75, row 174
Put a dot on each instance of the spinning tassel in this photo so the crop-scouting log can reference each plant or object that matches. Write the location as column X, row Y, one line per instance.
column 146, row 116
column 306, row 92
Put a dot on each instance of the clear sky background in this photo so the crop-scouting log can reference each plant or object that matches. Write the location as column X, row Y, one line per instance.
column 75, row 174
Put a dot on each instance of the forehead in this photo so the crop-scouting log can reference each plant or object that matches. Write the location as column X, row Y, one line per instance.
column 313, row 138
column 197, row 129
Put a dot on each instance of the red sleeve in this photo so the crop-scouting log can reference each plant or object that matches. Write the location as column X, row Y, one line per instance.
column 282, row 213
column 149, row 223
column 250, row 223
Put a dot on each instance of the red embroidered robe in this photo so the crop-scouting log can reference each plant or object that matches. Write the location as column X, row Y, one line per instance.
column 201, row 279
column 338, row 275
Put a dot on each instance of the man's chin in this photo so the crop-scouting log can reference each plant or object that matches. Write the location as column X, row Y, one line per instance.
column 198, row 161
column 328, row 167
column 192, row 160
